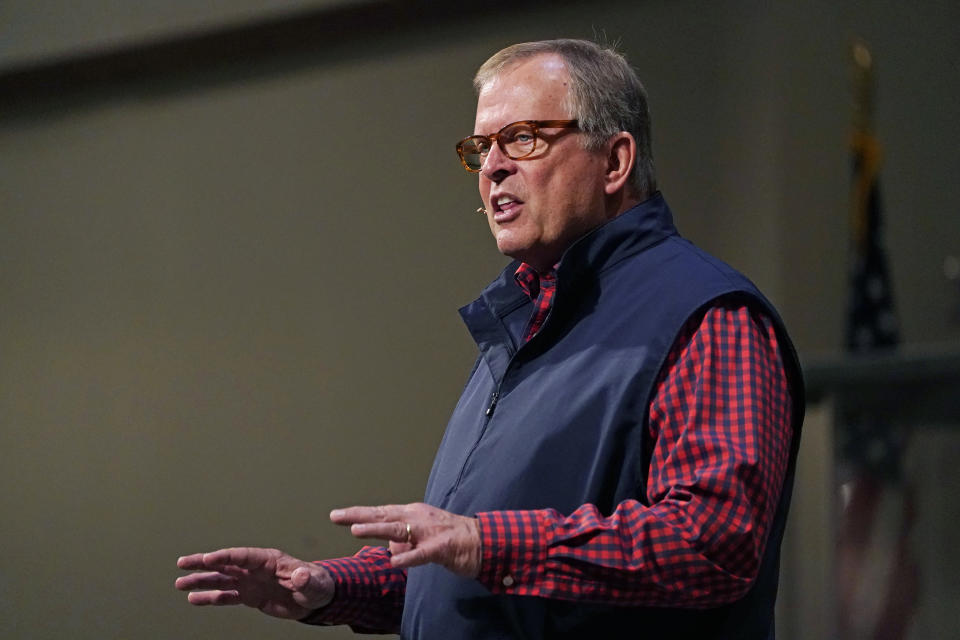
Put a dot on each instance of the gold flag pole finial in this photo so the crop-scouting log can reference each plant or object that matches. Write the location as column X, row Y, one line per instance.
column 863, row 86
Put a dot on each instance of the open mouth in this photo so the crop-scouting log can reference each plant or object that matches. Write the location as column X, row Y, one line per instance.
column 506, row 207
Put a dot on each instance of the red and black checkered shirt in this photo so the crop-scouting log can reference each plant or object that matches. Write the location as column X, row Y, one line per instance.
column 719, row 438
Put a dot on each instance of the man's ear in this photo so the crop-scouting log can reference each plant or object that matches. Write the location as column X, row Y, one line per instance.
column 621, row 157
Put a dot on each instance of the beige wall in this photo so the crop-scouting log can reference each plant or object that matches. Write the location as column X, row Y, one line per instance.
column 229, row 302
column 32, row 31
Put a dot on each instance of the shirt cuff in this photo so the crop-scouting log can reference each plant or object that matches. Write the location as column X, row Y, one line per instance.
column 342, row 608
column 514, row 551
column 368, row 594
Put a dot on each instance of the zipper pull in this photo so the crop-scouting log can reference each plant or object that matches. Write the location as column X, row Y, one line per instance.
column 493, row 403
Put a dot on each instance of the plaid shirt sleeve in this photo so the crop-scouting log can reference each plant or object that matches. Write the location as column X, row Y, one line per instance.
column 719, row 436
column 369, row 593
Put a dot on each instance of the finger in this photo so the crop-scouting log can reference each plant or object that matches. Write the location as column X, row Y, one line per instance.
column 353, row 515
column 413, row 558
column 394, row 531
column 245, row 557
column 192, row 561
column 399, row 547
column 209, row 580
column 216, row 598
column 300, row 579
column 312, row 589
column 215, row 559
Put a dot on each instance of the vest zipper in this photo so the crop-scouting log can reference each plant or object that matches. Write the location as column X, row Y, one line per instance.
column 493, row 403
column 494, row 397
column 491, row 407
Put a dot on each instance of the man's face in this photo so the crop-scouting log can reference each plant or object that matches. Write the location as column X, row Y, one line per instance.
column 539, row 205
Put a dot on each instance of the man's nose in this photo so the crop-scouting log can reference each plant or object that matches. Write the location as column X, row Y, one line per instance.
column 497, row 165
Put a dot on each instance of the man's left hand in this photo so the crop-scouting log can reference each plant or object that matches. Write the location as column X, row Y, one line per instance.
column 418, row 534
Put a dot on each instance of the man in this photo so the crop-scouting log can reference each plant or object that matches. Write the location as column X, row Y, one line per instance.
column 621, row 459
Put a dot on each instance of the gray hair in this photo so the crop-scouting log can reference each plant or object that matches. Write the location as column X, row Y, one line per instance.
column 605, row 96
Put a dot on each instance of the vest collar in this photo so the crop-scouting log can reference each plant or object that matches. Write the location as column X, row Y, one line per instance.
column 637, row 228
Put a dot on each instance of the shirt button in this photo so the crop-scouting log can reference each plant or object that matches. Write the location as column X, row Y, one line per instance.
column 508, row 581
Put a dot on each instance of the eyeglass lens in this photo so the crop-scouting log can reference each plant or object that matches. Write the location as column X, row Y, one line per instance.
column 516, row 140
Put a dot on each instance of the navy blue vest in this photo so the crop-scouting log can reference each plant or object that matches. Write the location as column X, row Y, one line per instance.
column 567, row 425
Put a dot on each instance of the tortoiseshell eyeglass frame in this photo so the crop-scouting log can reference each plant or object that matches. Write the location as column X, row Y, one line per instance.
column 535, row 126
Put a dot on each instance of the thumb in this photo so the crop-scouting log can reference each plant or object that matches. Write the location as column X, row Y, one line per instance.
column 313, row 586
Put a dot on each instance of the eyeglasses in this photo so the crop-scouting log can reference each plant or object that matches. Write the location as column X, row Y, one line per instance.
column 516, row 140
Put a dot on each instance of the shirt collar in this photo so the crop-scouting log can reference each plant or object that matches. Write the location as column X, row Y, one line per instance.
column 531, row 281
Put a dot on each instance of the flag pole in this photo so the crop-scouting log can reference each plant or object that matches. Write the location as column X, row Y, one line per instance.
column 863, row 143
column 871, row 321
column 877, row 576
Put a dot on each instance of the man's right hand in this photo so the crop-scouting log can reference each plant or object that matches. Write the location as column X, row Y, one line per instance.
column 265, row 579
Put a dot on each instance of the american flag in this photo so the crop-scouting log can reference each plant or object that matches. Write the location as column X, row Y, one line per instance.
column 871, row 323
column 877, row 575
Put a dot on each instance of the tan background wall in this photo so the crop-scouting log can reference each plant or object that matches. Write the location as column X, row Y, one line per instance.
column 229, row 298
column 31, row 32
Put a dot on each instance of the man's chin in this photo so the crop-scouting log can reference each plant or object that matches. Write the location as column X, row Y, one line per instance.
column 535, row 258
column 511, row 248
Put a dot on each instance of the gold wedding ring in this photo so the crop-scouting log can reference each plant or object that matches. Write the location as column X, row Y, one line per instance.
column 409, row 534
